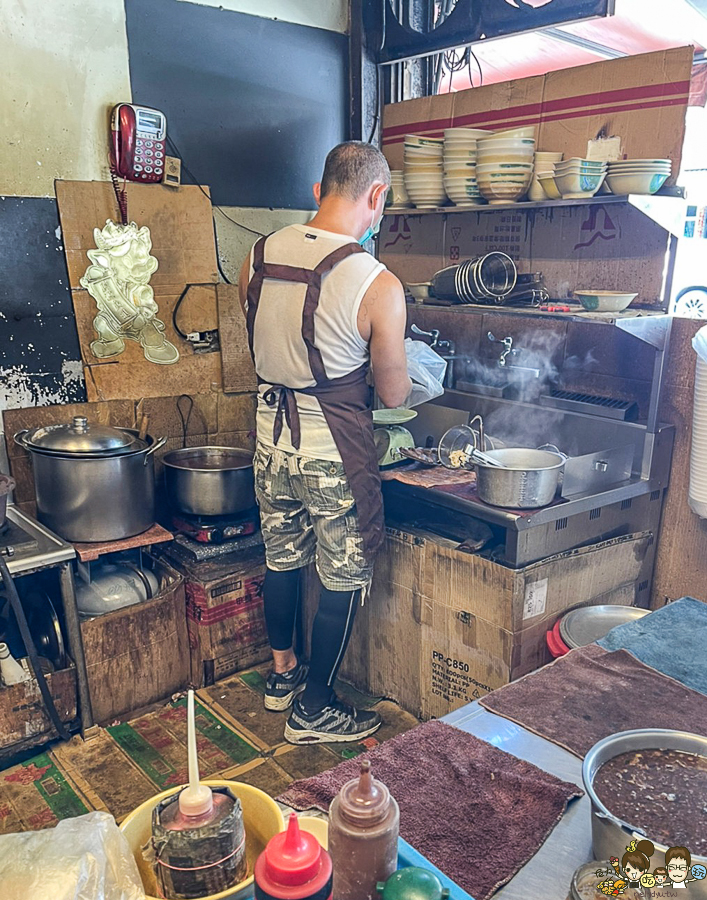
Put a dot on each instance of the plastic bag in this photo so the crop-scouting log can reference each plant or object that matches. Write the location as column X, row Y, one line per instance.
column 699, row 343
column 85, row 858
column 426, row 370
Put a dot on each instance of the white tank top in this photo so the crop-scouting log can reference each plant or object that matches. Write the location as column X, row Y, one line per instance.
column 280, row 352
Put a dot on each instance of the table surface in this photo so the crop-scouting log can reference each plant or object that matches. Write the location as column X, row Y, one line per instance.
column 549, row 873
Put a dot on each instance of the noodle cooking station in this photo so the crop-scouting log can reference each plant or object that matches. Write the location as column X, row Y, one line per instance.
column 614, row 477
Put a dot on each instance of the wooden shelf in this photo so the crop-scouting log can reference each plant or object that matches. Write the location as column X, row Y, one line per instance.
column 155, row 535
column 667, row 211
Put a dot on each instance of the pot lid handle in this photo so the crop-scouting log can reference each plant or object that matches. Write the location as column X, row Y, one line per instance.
column 80, row 424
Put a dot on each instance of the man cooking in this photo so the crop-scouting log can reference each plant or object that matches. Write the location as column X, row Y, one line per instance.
column 319, row 311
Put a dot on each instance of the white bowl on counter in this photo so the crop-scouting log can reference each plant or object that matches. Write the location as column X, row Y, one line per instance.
column 465, row 134
column 578, row 185
column 422, row 140
column 636, row 182
column 549, row 185
column 523, row 131
column 604, row 301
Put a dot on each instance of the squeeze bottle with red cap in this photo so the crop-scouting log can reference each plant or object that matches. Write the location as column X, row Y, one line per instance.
column 363, row 836
column 293, row 866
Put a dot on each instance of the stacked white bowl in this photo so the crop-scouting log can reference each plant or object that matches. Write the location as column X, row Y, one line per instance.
column 544, row 165
column 504, row 165
column 638, row 176
column 397, row 195
column 460, row 165
column 579, row 179
column 424, row 171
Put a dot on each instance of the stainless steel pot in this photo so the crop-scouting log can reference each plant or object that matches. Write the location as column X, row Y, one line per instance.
column 210, row 481
column 92, row 482
column 609, row 833
column 529, row 480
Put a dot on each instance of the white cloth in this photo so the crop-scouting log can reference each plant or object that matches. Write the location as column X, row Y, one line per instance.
column 280, row 351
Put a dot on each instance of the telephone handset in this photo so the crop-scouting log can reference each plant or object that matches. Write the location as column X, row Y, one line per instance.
column 138, row 142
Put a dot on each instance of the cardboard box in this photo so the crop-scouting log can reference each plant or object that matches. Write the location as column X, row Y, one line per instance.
column 23, row 718
column 641, row 98
column 138, row 655
column 181, row 227
column 225, row 618
column 442, row 627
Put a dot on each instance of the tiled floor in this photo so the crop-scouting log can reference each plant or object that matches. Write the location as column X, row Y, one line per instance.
column 126, row 763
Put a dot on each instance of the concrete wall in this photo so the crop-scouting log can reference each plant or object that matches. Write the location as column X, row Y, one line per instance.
column 64, row 64
column 330, row 14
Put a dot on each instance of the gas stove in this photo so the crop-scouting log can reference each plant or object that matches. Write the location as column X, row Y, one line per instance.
column 198, row 539
column 217, row 530
column 27, row 545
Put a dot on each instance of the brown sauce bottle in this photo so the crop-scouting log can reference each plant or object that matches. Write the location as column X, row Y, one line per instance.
column 363, row 836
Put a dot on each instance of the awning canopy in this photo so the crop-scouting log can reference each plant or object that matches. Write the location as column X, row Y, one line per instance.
column 639, row 26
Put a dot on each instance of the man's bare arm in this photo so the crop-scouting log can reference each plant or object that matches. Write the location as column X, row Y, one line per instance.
column 382, row 320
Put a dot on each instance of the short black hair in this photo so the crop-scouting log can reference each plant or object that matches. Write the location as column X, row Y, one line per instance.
column 351, row 168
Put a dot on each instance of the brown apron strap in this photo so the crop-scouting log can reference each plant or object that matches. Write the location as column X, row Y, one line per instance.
column 311, row 302
column 255, row 286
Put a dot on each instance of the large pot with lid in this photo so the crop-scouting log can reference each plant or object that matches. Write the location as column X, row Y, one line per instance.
column 92, row 482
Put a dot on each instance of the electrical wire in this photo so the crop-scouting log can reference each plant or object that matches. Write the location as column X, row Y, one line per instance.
column 376, row 117
column 197, row 182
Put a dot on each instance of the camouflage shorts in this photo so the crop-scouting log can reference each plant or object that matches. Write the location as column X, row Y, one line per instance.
column 308, row 514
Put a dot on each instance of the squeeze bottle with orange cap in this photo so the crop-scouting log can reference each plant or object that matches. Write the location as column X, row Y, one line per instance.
column 363, row 836
column 293, row 866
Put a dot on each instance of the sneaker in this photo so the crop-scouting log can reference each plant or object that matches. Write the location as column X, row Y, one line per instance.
column 336, row 722
column 281, row 690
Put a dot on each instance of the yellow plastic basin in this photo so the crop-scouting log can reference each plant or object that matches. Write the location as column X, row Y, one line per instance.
column 261, row 817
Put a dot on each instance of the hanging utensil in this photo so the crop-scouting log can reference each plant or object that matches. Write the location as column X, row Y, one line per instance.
column 185, row 419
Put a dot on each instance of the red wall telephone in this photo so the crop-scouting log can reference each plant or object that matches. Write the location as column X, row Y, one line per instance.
column 138, row 142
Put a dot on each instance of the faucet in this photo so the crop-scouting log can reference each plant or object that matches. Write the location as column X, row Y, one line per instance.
column 508, row 349
column 445, row 349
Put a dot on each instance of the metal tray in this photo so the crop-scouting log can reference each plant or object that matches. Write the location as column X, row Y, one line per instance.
column 591, row 623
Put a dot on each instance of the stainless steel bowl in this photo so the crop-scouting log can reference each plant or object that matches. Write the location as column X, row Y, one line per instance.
column 528, row 481
column 210, row 481
column 609, row 833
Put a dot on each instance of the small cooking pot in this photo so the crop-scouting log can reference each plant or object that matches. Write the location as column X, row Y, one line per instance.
column 528, row 480
column 210, row 481
column 92, row 482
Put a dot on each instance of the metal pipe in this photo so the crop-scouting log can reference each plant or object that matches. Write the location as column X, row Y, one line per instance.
column 73, row 633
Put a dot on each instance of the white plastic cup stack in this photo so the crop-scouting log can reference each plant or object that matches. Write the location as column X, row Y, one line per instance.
column 697, row 497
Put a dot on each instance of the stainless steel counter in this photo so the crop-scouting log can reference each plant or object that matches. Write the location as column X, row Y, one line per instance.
column 548, row 874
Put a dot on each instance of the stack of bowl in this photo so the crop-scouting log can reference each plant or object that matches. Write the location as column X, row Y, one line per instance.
column 397, row 195
column 424, row 172
column 638, row 176
column 544, row 165
column 578, row 179
column 460, row 165
column 504, row 165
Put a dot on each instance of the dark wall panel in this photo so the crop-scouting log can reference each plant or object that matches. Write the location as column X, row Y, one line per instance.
column 254, row 105
column 39, row 347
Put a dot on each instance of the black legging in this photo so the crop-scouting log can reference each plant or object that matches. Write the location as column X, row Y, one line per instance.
column 330, row 633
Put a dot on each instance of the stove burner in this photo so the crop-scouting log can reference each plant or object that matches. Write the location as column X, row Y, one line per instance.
column 14, row 540
column 217, row 530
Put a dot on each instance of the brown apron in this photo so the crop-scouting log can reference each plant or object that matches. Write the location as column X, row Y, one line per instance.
column 345, row 402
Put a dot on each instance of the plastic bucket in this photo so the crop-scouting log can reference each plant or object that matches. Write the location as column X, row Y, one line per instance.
column 261, row 817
